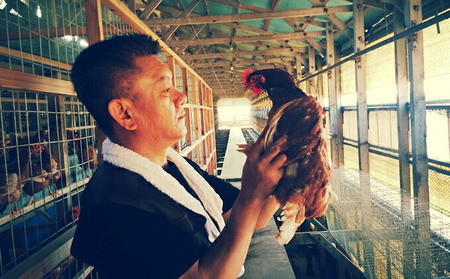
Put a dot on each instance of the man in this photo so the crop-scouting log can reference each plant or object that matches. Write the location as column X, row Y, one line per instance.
column 147, row 212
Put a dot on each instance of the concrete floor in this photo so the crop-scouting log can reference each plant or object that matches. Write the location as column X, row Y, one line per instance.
column 266, row 259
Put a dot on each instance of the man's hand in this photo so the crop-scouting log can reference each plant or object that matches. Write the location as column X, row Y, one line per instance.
column 263, row 170
column 246, row 148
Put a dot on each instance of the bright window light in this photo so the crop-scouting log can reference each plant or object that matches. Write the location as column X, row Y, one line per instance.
column 234, row 112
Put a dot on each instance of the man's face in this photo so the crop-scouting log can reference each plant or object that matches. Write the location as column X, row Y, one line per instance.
column 159, row 105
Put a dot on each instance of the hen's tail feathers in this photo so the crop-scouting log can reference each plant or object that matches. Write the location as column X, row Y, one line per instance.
column 305, row 205
column 292, row 217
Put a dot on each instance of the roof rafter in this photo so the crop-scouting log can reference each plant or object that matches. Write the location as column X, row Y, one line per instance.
column 226, row 40
column 240, row 62
column 239, row 54
column 185, row 14
column 150, row 8
column 249, row 16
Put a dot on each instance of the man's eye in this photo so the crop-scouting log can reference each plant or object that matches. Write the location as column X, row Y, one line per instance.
column 166, row 90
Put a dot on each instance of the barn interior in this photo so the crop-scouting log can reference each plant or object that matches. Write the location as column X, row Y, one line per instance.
column 379, row 68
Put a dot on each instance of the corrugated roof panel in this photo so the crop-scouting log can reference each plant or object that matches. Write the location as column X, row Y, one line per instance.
column 258, row 3
column 278, row 25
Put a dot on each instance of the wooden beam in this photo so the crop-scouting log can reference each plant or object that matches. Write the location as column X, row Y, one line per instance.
column 341, row 26
column 222, row 72
column 361, row 88
column 240, row 54
column 150, row 8
column 334, row 103
column 27, row 82
column 250, row 16
column 418, row 106
column 185, row 14
column 131, row 5
column 223, row 80
column 362, row 120
column 226, row 40
column 34, row 58
column 273, row 7
column 238, row 62
column 192, row 36
column 413, row 10
column 227, row 66
column 244, row 27
column 316, row 2
column 311, row 70
column 240, row 6
column 94, row 24
column 307, row 41
column 401, row 73
column 377, row 4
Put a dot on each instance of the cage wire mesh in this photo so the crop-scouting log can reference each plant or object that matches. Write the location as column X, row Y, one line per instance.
column 386, row 232
column 384, row 238
column 47, row 142
column 41, row 37
column 40, row 179
column 113, row 25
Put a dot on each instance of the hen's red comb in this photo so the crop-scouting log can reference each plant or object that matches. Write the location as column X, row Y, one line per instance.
column 245, row 75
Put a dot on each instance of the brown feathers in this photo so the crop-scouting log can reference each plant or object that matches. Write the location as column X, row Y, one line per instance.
column 304, row 188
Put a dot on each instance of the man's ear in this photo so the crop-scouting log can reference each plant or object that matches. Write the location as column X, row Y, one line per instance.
column 120, row 110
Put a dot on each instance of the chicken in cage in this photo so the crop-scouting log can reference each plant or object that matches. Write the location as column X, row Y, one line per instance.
column 45, row 170
column 14, row 175
column 86, row 153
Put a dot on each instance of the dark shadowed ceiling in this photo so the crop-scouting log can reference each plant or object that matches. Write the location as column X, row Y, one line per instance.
column 220, row 38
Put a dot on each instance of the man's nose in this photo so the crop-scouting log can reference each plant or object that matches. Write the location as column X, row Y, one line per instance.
column 181, row 98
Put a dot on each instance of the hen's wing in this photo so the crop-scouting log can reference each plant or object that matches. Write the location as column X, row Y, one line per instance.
column 303, row 188
column 50, row 163
column 40, row 179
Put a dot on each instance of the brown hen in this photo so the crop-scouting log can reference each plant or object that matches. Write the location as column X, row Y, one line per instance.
column 304, row 190
column 13, row 176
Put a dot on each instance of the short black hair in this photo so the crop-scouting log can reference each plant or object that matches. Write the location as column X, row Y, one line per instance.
column 101, row 71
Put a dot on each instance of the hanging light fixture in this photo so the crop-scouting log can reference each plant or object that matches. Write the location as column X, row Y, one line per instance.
column 39, row 12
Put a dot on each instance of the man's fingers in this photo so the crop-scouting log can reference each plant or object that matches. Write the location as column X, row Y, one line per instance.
column 256, row 149
column 244, row 148
column 279, row 161
column 274, row 149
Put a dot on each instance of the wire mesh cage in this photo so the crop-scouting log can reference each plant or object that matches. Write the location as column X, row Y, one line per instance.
column 382, row 236
column 48, row 141
column 387, row 229
column 43, row 170
column 41, row 37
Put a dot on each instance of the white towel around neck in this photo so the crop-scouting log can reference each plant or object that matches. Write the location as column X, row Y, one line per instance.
column 212, row 204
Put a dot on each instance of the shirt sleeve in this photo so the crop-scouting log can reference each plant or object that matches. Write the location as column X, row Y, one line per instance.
column 225, row 190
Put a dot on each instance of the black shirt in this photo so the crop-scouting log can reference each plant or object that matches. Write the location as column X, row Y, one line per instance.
column 123, row 233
